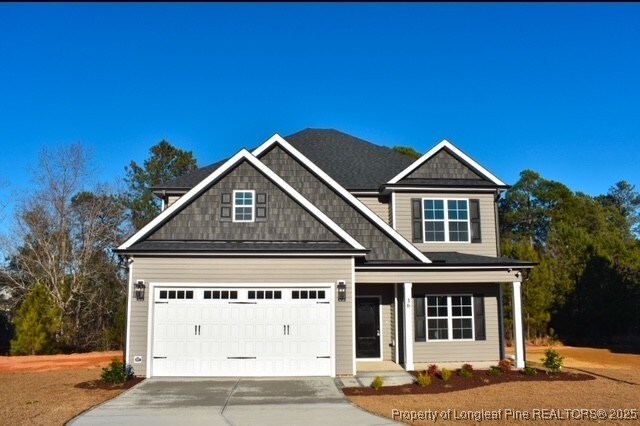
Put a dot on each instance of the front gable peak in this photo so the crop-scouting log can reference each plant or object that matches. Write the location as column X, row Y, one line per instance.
column 454, row 162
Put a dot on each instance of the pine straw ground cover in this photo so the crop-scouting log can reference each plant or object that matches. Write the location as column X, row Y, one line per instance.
column 615, row 389
column 47, row 390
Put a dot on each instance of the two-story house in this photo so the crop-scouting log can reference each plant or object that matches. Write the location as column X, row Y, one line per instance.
column 318, row 251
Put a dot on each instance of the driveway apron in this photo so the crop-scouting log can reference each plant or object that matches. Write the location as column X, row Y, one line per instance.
column 244, row 401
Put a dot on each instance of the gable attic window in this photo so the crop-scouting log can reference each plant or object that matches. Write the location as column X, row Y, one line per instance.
column 446, row 220
column 243, row 206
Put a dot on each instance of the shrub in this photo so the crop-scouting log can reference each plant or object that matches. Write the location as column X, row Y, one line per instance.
column 117, row 372
column 528, row 371
column 505, row 365
column 432, row 371
column 465, row 373
column 467, row 367
column 446, row 374
column 424, row 380
column 552, row 361
column 495, row 372
column 377, row 383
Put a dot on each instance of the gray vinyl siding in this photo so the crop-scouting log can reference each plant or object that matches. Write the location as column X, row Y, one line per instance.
column 286, row 219
column 379, row 208
column 488, row 246
column 443, row 165
column 172, row 199
column 333, row 205
column 462, row 351
column 386, row 319
column 186, row 271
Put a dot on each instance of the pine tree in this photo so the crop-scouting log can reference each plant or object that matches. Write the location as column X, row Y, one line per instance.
column 36, row 324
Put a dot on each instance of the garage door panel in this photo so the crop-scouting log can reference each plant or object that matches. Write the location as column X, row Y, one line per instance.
column 273, row 334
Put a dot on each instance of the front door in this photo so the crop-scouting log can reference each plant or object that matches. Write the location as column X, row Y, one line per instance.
column 367, row 327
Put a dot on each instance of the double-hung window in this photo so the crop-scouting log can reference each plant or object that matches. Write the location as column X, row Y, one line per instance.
column 243, row 206
column 449, row 317
column 446, row 220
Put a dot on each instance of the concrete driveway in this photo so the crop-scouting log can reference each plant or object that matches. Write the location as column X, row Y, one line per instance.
column 273, row 401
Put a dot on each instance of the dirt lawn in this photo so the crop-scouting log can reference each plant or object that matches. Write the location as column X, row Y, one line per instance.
column 39, row 390
column 616, row 389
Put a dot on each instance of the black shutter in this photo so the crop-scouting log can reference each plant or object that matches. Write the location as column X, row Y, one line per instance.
column 474, row 215
column 419, row 318
column 225, row 210
column 416, row 220
column 478, row 317
column 261, row 207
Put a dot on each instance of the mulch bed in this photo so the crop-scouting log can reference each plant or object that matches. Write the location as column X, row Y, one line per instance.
column 101, row 384
column 456, row 383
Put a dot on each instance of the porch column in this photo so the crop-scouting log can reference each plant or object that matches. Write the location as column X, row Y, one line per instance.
column 517, row 325
column 408, row 328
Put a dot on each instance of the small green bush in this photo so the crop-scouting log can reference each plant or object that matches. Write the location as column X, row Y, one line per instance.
column 466, row 371
column 528, row 371
column 424, row 380
column 377, row 383
column 432, row 371
column 117, row 372
column 505, row 365
column 446, row 374
column 495, row 372
column 552, row 361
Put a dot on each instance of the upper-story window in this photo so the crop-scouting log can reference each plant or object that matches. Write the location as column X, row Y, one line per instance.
column 243, row 206
column 446, row 220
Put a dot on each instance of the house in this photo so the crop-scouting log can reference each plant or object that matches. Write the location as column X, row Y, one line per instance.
column 317, row 251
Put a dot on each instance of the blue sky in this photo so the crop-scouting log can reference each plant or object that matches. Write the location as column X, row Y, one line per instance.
column 550, row 87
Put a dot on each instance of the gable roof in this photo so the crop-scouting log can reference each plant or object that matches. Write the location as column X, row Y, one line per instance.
column 446, row 145
column 241, row 156
column 344, row 193
column 354, row 163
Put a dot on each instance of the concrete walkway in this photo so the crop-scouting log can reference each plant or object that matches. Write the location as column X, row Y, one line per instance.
column 272, row 401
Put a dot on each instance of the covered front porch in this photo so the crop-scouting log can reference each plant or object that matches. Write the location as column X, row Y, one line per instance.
column 433, row 316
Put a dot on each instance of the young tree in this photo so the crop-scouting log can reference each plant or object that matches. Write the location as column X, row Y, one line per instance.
column 37, row 323
column 164, row 163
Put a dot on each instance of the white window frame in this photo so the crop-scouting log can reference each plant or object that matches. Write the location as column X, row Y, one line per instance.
column 446, row 221
column 449, row 318
column 252, row 206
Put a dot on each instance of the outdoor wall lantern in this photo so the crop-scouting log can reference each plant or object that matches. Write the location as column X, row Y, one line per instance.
column 139, row 290
column 342, row 291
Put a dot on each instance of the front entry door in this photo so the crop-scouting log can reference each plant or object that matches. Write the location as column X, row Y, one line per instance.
column 367, row 327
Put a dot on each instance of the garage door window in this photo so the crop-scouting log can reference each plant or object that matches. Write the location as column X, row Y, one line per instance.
column 265, row 294
column 176, row 294
column 220, row 294
column 308, row 294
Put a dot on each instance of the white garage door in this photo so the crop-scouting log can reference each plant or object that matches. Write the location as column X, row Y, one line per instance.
column 242, row 332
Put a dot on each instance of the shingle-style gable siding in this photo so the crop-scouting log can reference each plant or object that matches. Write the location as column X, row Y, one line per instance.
column 382, row 247
column 286, row 220
column 443, row 165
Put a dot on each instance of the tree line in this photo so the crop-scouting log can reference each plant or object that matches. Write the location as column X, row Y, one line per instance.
column 62, row 286
column 63, row 289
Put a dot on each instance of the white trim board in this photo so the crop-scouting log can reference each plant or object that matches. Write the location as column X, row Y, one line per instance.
column 242, row 155
column 433, row 151
column 351, row 199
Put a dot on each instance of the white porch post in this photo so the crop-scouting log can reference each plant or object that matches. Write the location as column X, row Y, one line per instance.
column 408, row 328
column 517, row 325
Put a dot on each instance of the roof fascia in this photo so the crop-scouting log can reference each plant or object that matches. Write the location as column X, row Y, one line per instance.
column 433, row 151
column 228, row 165
column 277, row 139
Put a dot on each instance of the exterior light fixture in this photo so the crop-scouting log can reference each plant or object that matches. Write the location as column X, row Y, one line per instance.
column 342, row 291
column 139, row 289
